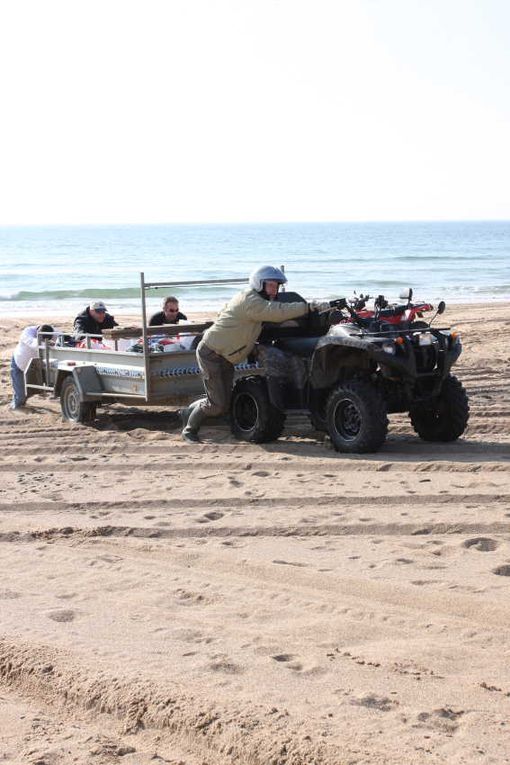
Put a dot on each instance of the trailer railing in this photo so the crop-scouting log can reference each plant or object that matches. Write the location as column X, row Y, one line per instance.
column 180, row 329
column 49, row 359
column 129, row 332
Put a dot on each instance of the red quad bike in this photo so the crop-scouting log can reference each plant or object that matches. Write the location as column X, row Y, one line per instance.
column 350, row 367
column 394, row 314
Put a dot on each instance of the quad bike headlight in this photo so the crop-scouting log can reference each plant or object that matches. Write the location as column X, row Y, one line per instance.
column 388, row 346
column 425, row 338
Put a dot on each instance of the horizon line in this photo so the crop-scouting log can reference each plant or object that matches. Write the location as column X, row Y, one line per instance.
column 255, row 222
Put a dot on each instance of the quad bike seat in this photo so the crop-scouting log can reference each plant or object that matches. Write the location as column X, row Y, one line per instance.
column 298, row 346
column 290, row 297
column 271, row 331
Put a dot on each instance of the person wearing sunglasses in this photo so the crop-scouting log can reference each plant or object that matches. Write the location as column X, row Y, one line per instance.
column 92, row 320
column 169, row 315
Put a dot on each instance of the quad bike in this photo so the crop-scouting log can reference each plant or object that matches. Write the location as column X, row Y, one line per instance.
column 350, row 367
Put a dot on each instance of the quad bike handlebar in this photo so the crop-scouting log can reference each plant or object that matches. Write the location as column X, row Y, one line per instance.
column 338, row 303
column 382, row 312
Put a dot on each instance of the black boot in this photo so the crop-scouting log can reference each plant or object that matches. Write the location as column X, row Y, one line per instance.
column 191, row 437
column 184, row 415
column 186, row 411
column 193, row 422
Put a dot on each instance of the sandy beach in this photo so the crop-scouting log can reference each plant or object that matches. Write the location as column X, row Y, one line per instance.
column 231, row 603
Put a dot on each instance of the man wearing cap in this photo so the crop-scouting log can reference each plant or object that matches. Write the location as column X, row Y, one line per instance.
column 26, row 350
column 93, row 320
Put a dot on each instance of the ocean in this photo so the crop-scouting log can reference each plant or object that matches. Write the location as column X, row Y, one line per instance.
column 57, row 270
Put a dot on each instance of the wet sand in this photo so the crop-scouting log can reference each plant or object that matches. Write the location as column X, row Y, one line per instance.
column 234, row 603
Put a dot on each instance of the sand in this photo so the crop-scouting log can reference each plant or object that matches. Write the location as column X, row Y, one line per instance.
column 261, row 605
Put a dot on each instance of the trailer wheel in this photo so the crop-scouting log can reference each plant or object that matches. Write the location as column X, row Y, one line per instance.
column 356, row 417
column 252, row 416
column 72, row 407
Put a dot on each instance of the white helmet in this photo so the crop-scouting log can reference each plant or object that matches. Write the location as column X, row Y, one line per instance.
column 266, row 274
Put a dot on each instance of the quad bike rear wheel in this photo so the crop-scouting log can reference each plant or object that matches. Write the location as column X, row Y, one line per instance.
column 252, row 415
column 445, row 418
column 356, row 417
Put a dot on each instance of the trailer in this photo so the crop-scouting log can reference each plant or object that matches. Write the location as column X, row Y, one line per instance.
column 87, row 376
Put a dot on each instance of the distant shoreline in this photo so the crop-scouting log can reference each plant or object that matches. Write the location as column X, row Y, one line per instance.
column 131, row 317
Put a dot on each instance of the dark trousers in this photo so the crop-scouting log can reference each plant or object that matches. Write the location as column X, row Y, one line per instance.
column 18, row 385
column 218, row 377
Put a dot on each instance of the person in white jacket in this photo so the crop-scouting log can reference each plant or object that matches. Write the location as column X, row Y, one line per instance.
column 26, row 349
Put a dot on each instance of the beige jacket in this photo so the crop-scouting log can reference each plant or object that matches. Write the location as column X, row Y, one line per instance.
column 235, row 331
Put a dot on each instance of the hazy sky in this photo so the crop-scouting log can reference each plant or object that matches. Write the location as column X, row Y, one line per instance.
column 253, row 110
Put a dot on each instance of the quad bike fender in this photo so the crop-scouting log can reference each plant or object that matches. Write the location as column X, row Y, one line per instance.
column 451, row 357
column 275, row 392
column 334, row 355
column 446, row 363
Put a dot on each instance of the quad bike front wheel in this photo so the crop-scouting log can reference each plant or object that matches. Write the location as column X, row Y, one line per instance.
column 73, row 408
column 252, row 416
column 356, row 417
column 445, row 418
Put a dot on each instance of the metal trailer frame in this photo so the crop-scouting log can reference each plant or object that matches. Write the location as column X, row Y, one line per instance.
column 144, row 286
column 46, row 372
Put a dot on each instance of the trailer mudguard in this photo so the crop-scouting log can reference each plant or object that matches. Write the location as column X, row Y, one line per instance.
column 88, row 382
column 33, row 376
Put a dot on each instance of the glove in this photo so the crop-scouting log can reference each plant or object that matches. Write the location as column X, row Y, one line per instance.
column 319, row 305
column 338, row 303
